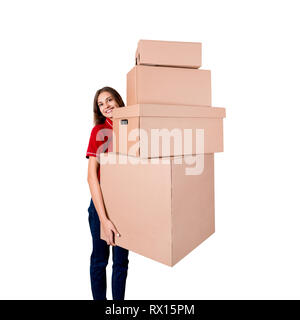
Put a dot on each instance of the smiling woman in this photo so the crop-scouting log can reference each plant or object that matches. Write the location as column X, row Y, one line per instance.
column 106, row 99
column 107, row 103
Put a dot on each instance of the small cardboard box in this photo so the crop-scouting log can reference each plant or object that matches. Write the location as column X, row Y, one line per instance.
column 153, row 130
column 166, row 85
column 169, row 53
column 161, row 208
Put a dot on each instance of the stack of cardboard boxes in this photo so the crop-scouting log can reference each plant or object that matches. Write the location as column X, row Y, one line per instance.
column 158, row 184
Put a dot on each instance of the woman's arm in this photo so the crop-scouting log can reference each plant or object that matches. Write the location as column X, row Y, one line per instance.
column 97, row 198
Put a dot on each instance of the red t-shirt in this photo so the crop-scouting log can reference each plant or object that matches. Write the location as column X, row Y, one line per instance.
column 100, row 140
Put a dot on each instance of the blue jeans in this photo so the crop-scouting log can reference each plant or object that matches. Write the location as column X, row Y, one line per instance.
column 99, row 260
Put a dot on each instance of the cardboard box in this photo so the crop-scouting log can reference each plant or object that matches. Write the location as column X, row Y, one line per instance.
column 166, row 85
column 161, row 212
column 167, row 130
column 169, row 53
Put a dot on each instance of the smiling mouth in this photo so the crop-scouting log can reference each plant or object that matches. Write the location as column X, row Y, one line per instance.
column 109, row 111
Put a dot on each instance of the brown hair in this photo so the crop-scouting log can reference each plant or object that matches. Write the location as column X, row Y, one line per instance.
column 98, row 116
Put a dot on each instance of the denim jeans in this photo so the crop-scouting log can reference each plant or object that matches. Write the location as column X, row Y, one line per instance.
column 99, row 260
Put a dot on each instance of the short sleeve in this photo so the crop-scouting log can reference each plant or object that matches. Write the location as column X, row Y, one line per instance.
column 100, row 141
column 92, row 147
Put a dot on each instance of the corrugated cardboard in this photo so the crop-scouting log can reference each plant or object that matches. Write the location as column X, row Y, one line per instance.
column 169, row 53
column 166, row 85
column 177, row 120
column 160, row 212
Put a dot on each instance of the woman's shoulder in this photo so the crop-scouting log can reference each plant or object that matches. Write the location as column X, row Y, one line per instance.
column 99, row 130
column 97, row 127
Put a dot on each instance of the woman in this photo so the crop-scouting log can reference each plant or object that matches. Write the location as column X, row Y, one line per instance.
column 106, row 99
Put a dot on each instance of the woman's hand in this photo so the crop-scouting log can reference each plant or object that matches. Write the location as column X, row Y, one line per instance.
column 110, row 231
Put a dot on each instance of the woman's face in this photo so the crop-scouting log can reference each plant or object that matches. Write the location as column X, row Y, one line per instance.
column 106, row 103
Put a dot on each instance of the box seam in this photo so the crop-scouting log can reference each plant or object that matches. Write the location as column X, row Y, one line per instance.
column 171, row 213
column 139, row 124
column 168, row 66
column 154, row 116
column 135, row 84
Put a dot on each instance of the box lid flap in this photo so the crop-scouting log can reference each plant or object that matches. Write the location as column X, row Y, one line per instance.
column 170, row 111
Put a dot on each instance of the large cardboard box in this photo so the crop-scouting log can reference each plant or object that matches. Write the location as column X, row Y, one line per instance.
column 162, row 209
column 169, row 53
column 166, row 85
column 154, row 130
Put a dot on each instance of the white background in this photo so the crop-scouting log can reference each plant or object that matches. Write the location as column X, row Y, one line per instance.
column 56, row 54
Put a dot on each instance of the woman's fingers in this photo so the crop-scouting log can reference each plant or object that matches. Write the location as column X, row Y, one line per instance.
column 111, row 238
column 116, row 232
column 111, row 231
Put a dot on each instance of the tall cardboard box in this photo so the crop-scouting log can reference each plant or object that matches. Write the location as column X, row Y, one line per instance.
column 169, row 53
column 162, row 209
column 177, row 130
column 166, row 85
